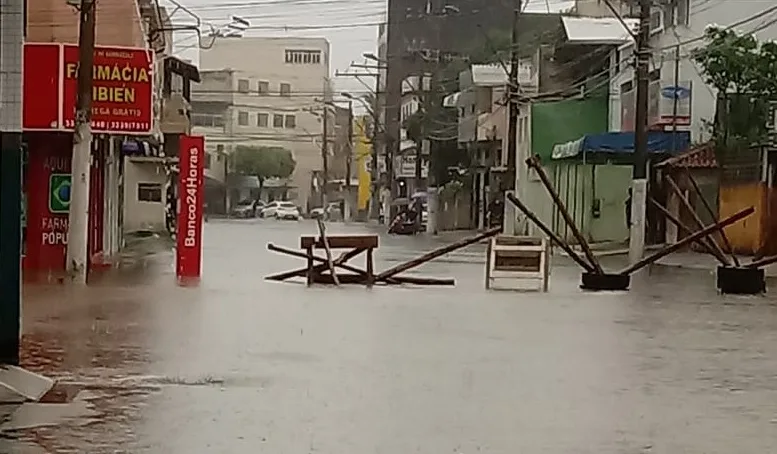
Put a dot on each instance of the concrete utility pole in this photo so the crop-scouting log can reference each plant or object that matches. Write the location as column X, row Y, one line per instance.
column 425, row 111
column 78, row 215
column 11, row 40
column 348, row 165
column 639, row 184
column 325, row 156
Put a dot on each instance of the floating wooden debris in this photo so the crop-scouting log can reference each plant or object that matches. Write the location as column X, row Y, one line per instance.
column 317, row 267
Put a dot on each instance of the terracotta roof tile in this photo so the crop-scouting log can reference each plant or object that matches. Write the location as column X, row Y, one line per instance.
column 700, row 157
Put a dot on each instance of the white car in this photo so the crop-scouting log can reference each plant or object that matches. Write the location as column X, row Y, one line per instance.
column 287, row 211
column 269, row 210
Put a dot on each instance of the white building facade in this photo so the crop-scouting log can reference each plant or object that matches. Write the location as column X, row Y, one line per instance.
column 265, row 92
column 677, row 27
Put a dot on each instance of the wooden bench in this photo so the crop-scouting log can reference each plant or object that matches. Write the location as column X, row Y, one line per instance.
column 356, row 245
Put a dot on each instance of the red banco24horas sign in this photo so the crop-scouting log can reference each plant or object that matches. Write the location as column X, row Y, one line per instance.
column 122, row 90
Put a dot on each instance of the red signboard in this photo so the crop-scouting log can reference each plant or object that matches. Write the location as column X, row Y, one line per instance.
column 41, row 91
column 191, row 196
column 122, row 89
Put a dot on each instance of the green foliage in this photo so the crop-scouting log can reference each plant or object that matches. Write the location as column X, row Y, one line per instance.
column 744, row 72
column 738, row 63
column 263, row 162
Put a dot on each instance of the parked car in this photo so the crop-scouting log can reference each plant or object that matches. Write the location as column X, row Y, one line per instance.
column 245, row 209
column 287, row 211
column 268, row 210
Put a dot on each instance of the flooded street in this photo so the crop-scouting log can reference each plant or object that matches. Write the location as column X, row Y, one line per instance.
column 242, row 365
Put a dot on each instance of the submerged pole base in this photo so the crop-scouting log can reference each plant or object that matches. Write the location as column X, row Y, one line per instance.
column 605, row 282
column 740, row 281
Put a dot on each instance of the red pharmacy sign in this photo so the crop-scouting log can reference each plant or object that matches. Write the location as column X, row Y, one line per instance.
column 122, row 89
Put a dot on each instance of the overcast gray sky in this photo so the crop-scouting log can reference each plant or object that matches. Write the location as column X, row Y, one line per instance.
column 349, row 25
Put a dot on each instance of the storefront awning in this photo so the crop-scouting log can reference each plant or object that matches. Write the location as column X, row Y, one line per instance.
column 622, row 143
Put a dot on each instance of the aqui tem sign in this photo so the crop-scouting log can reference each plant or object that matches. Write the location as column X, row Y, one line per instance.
column 59, row 192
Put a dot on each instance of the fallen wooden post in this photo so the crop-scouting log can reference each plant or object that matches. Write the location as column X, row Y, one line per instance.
column 688, row 240
column 697, row 220
column 687, row 230
column 416, row 262
column 551, row 234
column 322, row 232
column 534, row 163
column 398, row 280
column 713, row 215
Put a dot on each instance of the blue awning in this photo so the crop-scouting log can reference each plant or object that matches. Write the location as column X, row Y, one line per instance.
column 667, row 143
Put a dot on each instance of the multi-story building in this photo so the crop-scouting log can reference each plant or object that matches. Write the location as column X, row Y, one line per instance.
column 266, row 92
column 675, row 22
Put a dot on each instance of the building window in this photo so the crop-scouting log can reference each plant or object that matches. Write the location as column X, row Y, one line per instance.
column 243, row 86
column 263, row 120
column 291, row 121
column 285, row 90
column 277, row 121
column 264, row 87
column 242, row 118
column 149, row 192
column 682, row 16
column 207, row 160
column 303, row 57
column 208, row 120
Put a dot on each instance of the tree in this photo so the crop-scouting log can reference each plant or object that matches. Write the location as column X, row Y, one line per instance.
column 744, row 72
column 263, row 162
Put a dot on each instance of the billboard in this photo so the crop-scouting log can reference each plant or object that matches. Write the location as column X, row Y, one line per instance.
column 122, row 88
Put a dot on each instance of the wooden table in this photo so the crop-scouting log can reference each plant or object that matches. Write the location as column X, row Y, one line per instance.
column 356, row 245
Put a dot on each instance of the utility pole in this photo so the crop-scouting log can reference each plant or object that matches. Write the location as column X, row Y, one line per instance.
column 513, row 180
column 348, row 164
column 375, row 167
column 512, row 99
column 425, row 112
column 325, row 156
column 639, row 184
column 12, row 27
column 78, row 215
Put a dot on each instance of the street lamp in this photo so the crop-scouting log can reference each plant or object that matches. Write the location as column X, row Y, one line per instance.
column 373, row 57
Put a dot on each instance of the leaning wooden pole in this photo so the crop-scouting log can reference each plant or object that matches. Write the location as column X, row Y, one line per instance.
column 535, row 164
column 696, row 219
column 416, row 262
column 760, row 263
column 325, row 241
column 551, row 234
column 686, row 230
column 688, row 240
column 713, row 215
